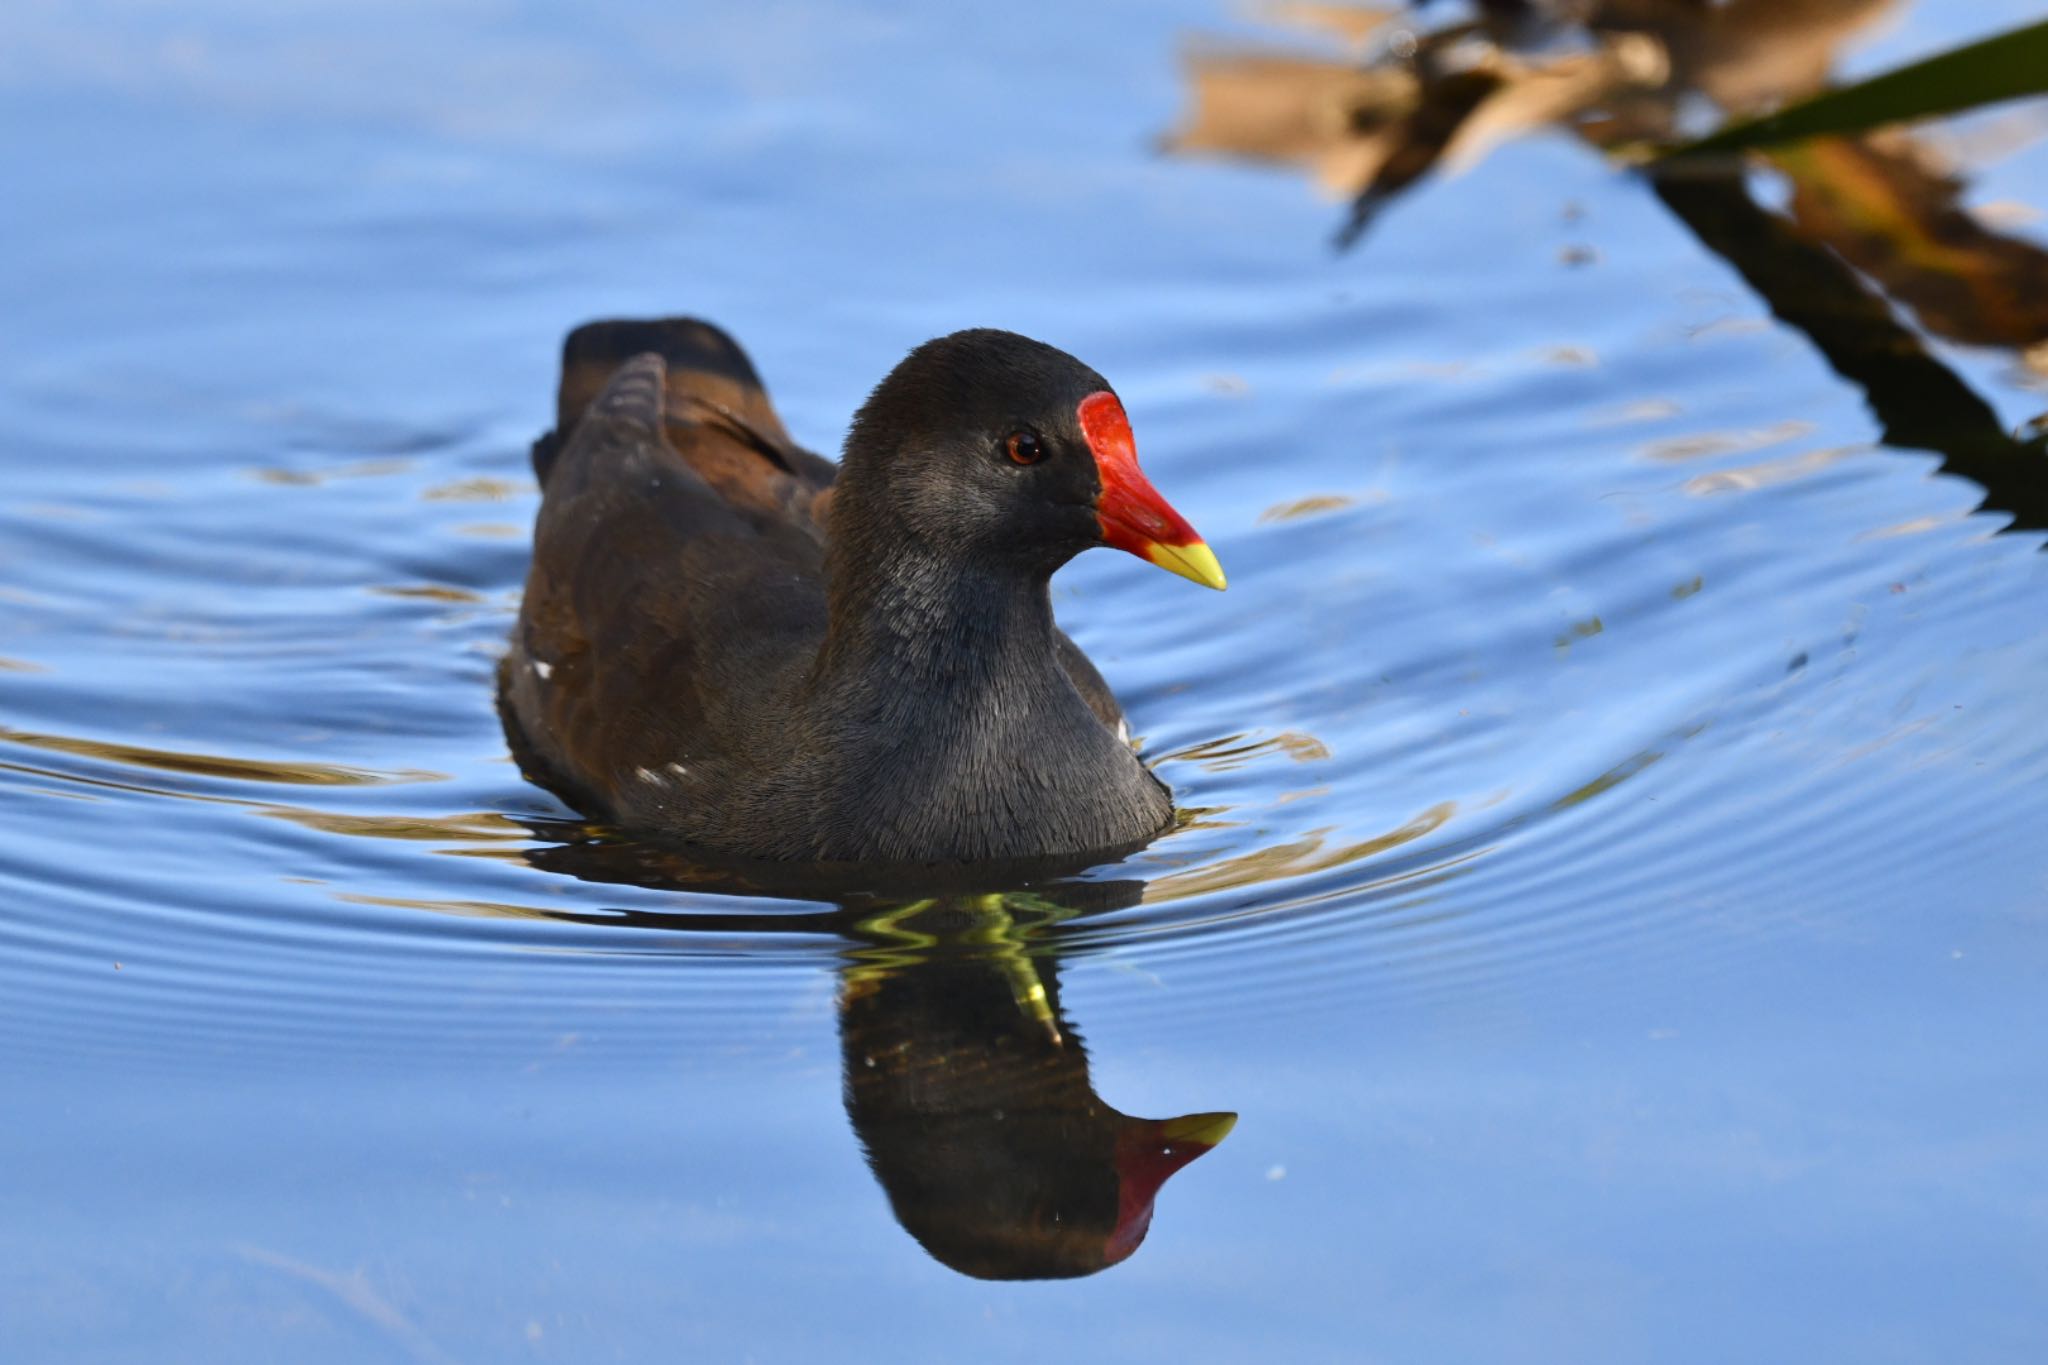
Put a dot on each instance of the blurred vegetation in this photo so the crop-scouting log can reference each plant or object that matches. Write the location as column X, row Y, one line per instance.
column 2009, row 66
column 1875, row 224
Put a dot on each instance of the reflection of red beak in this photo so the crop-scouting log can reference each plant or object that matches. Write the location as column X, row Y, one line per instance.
column 1146, row 1153
column 1133, row 515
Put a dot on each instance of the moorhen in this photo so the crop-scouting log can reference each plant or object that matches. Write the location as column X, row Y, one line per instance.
column 729, row 640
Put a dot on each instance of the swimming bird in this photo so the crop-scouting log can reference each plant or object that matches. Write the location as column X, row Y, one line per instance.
column 730, row 641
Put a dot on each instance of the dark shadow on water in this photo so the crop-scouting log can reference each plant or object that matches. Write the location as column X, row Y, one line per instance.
column 969, row 1089
column 1920, row 403
column 966, row 1081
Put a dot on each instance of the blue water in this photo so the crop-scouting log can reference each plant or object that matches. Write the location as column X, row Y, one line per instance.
column 1615, row 903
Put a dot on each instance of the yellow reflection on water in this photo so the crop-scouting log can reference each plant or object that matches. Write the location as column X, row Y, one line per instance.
column 1231, row 752
column 213, row 765
column 466, row 909
column 1700, row 445
column 431, row 592
column 314, row 478
column 479, row 489
column 1306, row 507
column 488, row 825
column 1296, row 858
column 1767, row 472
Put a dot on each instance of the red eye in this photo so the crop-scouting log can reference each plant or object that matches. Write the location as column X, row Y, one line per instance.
column 1024, row 447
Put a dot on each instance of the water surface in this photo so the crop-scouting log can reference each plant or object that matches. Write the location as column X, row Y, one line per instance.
column 1613, row 903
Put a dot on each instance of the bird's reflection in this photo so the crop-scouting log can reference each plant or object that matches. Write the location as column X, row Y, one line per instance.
column 966, row 1082
column 969, row 1089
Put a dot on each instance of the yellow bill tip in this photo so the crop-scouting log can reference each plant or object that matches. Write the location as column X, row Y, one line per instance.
column 1207, row 1129
column 1195, row 562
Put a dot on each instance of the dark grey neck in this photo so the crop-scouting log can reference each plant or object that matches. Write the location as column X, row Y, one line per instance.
column 952, row 729
column 930, row 634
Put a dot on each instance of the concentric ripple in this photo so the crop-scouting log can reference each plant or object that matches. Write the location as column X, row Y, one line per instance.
column 1577, row 624
column 1426, row 745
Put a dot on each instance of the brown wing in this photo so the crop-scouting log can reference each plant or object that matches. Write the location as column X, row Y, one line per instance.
column 714, row 413
column 675, row 590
